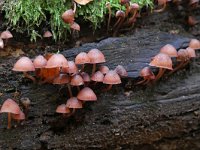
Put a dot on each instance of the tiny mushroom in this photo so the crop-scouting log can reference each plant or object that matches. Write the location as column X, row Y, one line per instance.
column 96, row 56
column 121, row 71
column 195, row 44
column 18, row 117
column 71, row 69
column 24, row 64
column 47, row 34
column 86, row 78
column 74, row 103
column 163, row 61
column 111, row 78
column 75, row 26
column 68, row 16
column 97, row 77
column 82, row 59
column 162, row 3
column 63, row 109
column 57, row 60
column 147, row 75
column 103, row 69
column 10, row 107
column 5, row 35
column 87, row 94
column 170, row 50
column 77, row 80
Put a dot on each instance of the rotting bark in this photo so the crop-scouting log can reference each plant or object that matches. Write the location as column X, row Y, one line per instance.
column 166, row 115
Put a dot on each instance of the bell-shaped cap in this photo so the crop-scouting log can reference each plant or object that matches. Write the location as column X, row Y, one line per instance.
column 195, row 44
column 97, row 76
column 57, row 60
column 103, row 69
column 77, row 80
column 39, row 62
column 62, row 109
column 162, row 61
column 47, row 34
column 75, row 26
column 73, row 102
column 10, row 106
column 87, row 94
column 85, row 76
column 82, row 58
column 183, row 55
column 121, row 71
column 191, row 52
column 6, row 35
column 147, row 73
column 120, row 14
column 96, row 56
column 20, row 116
column 68, row 16
column 170, row 50
column 112, row 78
column 24, row 64
column 61, row 79
column 72, row 68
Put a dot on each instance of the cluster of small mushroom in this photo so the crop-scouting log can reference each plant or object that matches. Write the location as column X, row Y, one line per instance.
column 5, row 35
column 124, row 19
column 163, row 61
column 14, row 112
column 55, row 69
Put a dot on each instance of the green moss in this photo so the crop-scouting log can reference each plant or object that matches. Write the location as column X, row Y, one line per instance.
column 31, row 16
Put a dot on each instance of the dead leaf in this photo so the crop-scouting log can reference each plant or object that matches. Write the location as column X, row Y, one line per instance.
column 82, row 2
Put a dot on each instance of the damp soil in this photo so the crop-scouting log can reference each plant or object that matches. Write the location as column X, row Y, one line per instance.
column 165, row 115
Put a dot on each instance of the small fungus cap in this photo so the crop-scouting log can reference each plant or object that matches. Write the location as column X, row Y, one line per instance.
column 82, row 58
column 6, row 35
column 10, row 106
column 62, row 109
column 120, row 14
column 103, row 69
column 162, row 61
column 87, row 94
column 97, row 76
column 183, row 55
column 195, row 44
column 85, row 76
column 72, row 68
column 20, row 116
column 112, row 78
column 75, row 26
column 191, row 52
column 61, row 79
column 24, row 64
column 170, row 50
column 39, row 62
column 57, row 60
column 47, row 34
column 121, row 71
column 73, row 102
column 96, row 56
column 68, row 16
column 77, row 80
column 147, row 73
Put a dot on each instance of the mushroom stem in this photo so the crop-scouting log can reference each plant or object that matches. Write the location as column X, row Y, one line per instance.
column 29, row 76
column 118, row 27
column 132, row 19
column 109, row 17
column 72, row 113
column 74, row 10
column 179, row 66
column 70, row 90
column 141, row 82
column 162, row 9
column 160, row 73
column 118, row 21
column 127, row 10
column 78, row 88
column 93, row 69
column 108, row 88
column 82, row 68
column 9, row 121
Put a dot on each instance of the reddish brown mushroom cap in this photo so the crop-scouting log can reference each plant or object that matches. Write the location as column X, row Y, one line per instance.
column 75, row 26
column 82, row 58
column 146, row 72
column 103, row 69
column 10, row 106
column 87, row 94
column 47, row 34
column 61, row 79
column 195, row 44
column 183, row 55
column 72, row 68
column 170, row 50
column 121, row 71
column 24, row 64
column 162, row 61
column 73, row 102
column 68, row 16
column 6, row 35
column 39, row 62
column 77, row 80
column 97, row 76
column 62, row 109
column 85, row 76
column 112, row 78
column 57, row 60
column 20, row 116
column 191, row 52
column 96, row 56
